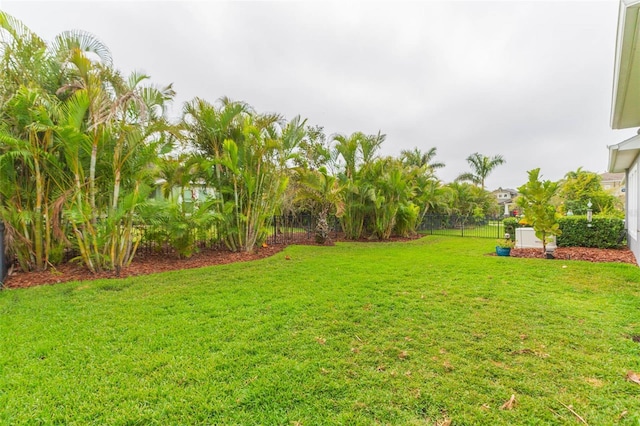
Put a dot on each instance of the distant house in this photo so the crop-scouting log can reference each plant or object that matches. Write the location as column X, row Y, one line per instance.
column 195, row 192
column 613, row 183
column 505, row 196
column 625, row 113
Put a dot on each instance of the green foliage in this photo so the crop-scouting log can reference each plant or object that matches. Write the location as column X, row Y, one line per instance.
column 245, row 156
column 421, row 160
column 505, row 243
column 356, row 155
column 81, row 146
column 357, row 334
column 510, row 225
column 77, row 143
column 393, row 186
column 180, row 224
column 469, row 201
column 535, row 201
column 604, row 232
column 406, row 219
column 581, row 187
column 314, row 151
column 320, row 193
column 32, row 176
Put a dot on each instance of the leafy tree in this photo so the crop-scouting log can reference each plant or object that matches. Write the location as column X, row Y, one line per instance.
column 539, row 212
column 481, row 167
column 579, row 187
column 314, row 150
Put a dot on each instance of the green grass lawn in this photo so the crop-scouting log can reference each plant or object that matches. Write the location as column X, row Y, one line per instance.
column 389, row 333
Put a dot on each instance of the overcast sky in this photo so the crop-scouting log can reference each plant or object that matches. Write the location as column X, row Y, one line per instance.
column 528, row 80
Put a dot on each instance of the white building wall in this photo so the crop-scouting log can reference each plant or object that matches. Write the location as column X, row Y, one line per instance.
column 633, row 206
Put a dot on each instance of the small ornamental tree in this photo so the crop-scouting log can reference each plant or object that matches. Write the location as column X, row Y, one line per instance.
column 535, row 202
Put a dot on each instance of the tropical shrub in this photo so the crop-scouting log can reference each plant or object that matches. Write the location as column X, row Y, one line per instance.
column 407, row 219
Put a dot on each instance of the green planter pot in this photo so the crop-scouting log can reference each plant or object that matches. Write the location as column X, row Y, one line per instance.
column 503, row 251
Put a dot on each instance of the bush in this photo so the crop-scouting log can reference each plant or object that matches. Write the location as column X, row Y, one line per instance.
column 510, row 225
column 605, row 232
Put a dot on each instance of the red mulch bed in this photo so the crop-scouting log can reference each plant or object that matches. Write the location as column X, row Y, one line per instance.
column 148, row 263
column 580, row 253
column 143, row 264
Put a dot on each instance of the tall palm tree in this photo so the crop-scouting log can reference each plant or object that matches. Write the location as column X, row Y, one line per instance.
column 112, row 133
column 481, row 167
column 32, row 175
column 248, row 155
column 417, row 158
column 394, row 186
column 356, row 153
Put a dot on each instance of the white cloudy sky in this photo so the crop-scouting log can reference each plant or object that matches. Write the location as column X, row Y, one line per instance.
column 530, row 80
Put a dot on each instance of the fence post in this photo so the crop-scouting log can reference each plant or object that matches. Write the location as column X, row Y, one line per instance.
column 3, row 260
column 275, row 229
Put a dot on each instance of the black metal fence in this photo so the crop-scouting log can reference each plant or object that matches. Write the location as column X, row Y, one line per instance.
column 282, row 229
column 292, row 228
column 462, row 226
column 288, row 229
column 300, row 228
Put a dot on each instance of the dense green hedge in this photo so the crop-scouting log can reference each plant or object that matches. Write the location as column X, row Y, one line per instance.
column 604, row 232
column 510, row 224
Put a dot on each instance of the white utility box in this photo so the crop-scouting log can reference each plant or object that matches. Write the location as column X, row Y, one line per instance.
column 526, row 238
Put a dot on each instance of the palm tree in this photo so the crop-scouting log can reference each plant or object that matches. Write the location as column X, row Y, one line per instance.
column 321, row 191
column 29, row 154
column 394, row 186
column 481, row 167
column 356, row 153
column 29, row 157
column 247, row 155
column 25, row 60
column 415, row 157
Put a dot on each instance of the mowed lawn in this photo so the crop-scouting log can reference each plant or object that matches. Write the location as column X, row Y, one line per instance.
column 381, row 333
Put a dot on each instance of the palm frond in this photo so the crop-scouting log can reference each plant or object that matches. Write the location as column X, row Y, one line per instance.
column 68, row 41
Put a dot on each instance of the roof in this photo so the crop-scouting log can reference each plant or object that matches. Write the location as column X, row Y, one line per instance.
column 622, row 155
column 612, row 177
column 513, row 191
column 625, row 108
